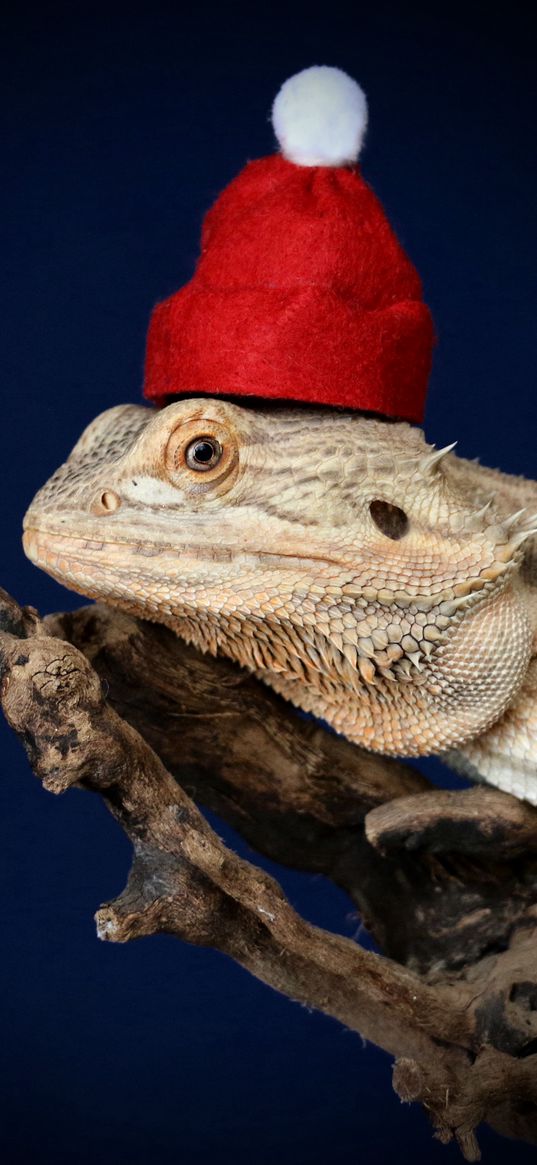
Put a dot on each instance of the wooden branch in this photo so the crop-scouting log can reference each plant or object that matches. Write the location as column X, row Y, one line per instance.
column 476, row 821
column 465, row 1040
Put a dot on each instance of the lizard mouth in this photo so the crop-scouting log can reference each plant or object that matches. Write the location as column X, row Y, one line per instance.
column 91, row 565
column 43, row 547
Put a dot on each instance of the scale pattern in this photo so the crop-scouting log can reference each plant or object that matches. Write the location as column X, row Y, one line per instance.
column 408, row 640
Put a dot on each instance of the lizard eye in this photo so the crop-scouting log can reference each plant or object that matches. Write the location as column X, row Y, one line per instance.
column 202, row 456
column 203, row 453
column 390, row 520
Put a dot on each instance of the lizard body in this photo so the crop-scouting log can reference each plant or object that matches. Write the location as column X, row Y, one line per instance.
column 368, row 578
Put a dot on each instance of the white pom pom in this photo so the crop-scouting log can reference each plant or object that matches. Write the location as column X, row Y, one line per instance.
column 320, row 117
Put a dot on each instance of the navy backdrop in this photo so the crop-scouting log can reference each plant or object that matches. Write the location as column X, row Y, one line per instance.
column 122, row 124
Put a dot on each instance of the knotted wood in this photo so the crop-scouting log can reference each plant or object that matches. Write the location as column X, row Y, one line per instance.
column 447, row 883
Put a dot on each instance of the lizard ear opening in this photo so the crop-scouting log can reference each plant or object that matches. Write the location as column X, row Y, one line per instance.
column 389, row 519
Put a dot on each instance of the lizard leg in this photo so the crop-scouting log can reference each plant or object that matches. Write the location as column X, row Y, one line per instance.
column 506, row 754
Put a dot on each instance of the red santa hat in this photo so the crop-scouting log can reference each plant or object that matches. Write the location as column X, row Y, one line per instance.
column 302, row 291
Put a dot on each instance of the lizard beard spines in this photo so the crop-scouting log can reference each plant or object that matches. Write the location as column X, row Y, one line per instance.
column 386, row 656
column 361, row 641
column 373, row 659
column 400, row 711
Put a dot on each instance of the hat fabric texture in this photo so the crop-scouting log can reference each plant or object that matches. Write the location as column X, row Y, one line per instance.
column 302, row 291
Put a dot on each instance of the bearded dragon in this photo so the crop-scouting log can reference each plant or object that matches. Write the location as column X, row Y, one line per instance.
column 382, row 585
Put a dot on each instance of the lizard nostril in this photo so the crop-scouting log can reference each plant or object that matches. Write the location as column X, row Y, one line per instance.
column 106, row 503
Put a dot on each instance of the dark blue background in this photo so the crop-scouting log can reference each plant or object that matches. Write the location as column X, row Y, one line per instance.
column 122, row 125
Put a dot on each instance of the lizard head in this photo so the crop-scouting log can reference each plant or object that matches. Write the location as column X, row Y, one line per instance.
column 336, row 555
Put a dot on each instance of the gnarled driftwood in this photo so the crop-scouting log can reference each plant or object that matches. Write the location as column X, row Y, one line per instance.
column 446, row 882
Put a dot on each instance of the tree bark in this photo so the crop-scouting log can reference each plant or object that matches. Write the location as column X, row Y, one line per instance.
column 446, row 882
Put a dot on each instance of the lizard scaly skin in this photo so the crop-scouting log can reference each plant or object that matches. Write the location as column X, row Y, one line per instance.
column 368, row 578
